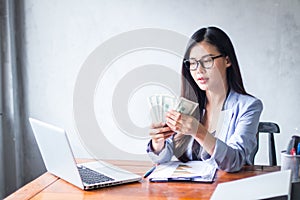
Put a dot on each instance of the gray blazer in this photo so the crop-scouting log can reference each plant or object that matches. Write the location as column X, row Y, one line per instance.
column 236, row 134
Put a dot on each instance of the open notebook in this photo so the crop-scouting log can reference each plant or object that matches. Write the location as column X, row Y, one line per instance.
column 192, row 171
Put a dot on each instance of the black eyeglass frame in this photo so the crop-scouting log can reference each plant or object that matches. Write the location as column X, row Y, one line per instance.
column 200, row 62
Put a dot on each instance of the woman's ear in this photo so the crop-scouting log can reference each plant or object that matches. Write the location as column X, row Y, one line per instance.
column 227, row 61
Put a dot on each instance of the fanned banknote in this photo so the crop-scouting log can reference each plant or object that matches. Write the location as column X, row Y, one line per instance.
column 161, row 103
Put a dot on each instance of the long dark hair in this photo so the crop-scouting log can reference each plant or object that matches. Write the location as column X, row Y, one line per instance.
column 221, row 41
column 191, row 90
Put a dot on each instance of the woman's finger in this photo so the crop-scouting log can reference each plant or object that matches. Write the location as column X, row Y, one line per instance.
column 159, row 130
column 174, row 115
column 174, row 122
column 176, row 128
column 157, row 125
column 158, row 136
column 159, row 133
column 168, row 135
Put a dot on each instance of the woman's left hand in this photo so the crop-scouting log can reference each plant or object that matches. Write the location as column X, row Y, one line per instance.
column 184, row 124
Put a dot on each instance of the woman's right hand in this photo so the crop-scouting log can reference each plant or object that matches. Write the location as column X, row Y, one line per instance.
column 159, row 133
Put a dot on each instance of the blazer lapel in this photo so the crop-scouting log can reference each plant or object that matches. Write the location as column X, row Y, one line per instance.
column 226, row 116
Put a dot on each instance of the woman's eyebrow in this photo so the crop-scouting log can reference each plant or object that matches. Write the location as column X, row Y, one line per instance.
column 210, row 54
column 202, row 56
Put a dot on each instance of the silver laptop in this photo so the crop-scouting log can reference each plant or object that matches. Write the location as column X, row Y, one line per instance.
column 59, row 160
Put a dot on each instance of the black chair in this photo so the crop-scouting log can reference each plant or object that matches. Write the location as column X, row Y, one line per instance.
column 270, row 128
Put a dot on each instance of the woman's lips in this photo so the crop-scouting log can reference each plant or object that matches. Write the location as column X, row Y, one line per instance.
column 202, row 80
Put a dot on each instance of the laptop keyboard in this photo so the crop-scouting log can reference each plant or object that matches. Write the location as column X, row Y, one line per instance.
column 91, row 177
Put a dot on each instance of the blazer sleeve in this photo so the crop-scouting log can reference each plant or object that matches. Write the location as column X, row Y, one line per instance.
column 164, row 155
column 231, row 155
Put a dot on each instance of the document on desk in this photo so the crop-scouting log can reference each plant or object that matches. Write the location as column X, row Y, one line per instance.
column 192, row 171
column 274, row 185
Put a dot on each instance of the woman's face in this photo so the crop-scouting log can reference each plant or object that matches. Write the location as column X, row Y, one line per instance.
column 215, row 77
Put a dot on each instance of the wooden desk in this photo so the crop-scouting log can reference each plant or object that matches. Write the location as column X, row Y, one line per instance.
column 48, row 186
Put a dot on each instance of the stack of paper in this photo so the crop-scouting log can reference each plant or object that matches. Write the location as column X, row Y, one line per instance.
column 194, row 171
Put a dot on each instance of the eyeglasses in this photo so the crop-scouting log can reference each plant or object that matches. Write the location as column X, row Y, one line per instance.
column 206, row 62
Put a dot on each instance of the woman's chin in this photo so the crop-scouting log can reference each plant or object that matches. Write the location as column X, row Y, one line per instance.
column 203, row 86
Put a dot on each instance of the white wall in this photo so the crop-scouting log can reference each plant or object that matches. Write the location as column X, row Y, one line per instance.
column 60, row 35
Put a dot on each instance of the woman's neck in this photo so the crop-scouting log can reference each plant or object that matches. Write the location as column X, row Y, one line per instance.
column 216, row 97
column 213, row 107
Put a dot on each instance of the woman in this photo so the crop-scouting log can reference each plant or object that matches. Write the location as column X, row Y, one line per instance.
column 223, row 129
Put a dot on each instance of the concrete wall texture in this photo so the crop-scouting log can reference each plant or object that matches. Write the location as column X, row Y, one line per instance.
column 61, row 35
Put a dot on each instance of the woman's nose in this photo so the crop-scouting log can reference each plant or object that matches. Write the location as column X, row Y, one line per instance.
column 201, row 69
